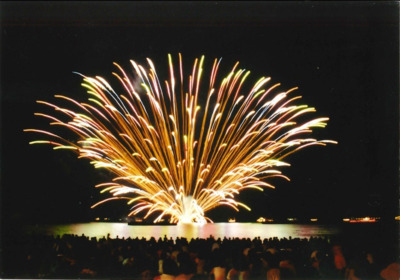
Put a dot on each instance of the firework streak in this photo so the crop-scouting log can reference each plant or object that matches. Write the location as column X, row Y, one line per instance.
column 169, row 155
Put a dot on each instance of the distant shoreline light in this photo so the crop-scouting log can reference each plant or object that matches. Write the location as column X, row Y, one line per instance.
column 361, row 220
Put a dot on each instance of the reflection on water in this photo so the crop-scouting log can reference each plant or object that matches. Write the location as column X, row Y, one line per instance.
column 218, row 230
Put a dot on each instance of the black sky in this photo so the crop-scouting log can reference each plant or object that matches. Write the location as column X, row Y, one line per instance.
column 343, row 56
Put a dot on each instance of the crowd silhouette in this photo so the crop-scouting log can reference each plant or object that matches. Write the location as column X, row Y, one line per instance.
column 73, row 256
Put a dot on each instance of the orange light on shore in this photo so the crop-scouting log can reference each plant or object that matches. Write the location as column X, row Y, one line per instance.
column 361, row 220
column 261, row 220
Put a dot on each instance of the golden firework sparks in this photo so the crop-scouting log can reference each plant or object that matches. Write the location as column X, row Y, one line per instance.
column 172, row 156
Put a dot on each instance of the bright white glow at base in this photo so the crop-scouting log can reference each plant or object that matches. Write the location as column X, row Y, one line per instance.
column 191, row 212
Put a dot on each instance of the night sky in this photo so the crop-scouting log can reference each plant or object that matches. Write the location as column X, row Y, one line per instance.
column 344, row 57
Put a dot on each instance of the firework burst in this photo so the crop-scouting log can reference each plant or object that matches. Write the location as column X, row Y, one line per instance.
column 172, row 156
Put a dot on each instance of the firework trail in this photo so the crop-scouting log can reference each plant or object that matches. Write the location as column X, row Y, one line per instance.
column 173, row 157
